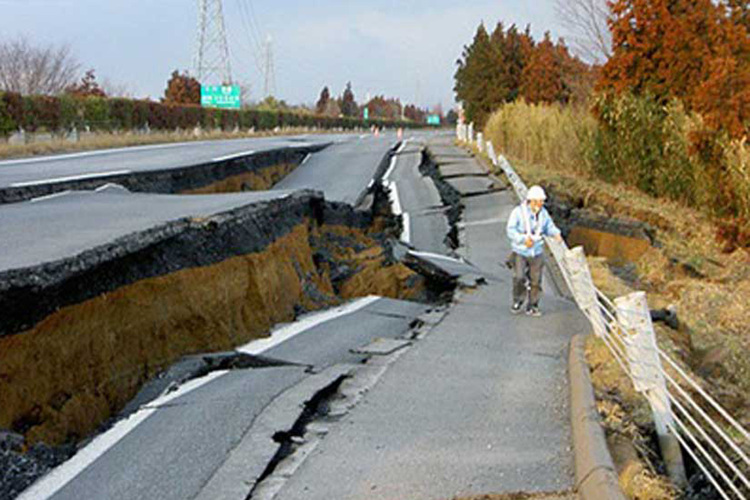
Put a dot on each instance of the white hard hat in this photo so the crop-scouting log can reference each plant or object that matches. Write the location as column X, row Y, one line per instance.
column 536, row 193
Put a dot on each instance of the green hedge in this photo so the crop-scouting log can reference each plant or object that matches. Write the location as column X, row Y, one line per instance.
column 59, row 114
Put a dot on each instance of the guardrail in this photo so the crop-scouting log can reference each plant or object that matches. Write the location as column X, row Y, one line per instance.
column 686, row 416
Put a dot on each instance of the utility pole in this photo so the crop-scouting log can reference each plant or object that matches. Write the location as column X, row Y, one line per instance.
column 269, row 69
column 212, row 51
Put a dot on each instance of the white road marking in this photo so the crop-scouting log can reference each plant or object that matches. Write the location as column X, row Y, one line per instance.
column 70, row 178
column 286, row 332
column 306, row 158
column 56, row 479
column 94, row 153
column 49, row 196
column 364, row 136
column 395, row 201
column 234, row 155
column 406, row 232
column 388, row 172
column 402, row 146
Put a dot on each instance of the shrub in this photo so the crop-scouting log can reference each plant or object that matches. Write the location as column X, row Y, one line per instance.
column 7, row 124
column 96, row 113
column 71, row 112
column 121, row 113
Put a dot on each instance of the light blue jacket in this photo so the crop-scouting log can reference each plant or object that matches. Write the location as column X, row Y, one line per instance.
column 517, row 231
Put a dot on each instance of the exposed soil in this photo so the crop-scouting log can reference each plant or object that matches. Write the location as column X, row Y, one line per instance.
column 113, row 320
column 687, row 272
column 261, row 180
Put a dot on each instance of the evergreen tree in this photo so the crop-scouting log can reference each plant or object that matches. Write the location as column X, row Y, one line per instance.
column 348, row 104
column 322, row 104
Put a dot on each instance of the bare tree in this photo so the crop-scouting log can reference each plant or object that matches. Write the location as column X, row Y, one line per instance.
column 586, row 23
column 29, row 69
column 115, row 89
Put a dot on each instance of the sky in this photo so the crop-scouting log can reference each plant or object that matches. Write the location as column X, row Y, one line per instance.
column 405, row 49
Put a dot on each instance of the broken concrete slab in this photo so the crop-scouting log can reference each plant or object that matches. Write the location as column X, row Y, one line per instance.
column 382, row 347
column 473, row 186
column 468, row 168
column 444, row 267
column 247, row 462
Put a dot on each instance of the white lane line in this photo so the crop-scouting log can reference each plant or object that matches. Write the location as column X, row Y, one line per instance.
column 95, row 153
column 388, row 172
column 234, row 155
column 306, row 158
column 286, row 332
column 56, row 479
column 395, row 201
column 402, row 146
column 49, row 196
column 70, row 178
column 406, row 232
column 364, row 136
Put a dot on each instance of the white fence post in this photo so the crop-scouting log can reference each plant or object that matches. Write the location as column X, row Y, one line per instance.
column 470, row 137
column 480, row 142
column 491, row 153
column 583, row 289
column 648, row 377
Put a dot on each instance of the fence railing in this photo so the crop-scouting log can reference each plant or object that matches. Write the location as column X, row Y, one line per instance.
column 687, row 418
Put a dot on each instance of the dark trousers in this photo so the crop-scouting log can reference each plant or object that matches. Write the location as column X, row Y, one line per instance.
column 527, row 270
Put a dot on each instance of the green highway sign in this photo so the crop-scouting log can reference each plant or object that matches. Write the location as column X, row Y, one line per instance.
column 433, row 119
column 221, row 96
column 366, row 114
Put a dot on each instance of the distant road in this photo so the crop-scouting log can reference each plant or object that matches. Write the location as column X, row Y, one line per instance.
column 111, row 162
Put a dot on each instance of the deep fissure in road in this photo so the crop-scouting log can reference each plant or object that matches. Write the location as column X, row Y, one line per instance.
column 96, row 328
column 448, row 194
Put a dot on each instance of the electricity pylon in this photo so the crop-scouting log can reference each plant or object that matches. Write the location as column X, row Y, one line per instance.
column 212, row 51
column 269, row 70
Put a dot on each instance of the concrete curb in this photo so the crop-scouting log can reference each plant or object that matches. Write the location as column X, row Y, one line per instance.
column 596, row 478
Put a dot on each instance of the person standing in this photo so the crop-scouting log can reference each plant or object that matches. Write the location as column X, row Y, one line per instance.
column 528, row 224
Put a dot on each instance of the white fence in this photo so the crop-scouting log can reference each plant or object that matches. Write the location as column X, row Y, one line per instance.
column 686, row 416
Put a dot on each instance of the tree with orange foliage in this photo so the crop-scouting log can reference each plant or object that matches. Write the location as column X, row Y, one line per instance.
column 88, row 87
column 695, row 50
column 542, row 78
column 182, row 89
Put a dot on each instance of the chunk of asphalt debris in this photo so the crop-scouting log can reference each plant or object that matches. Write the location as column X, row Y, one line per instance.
column 444, row 268
column 382, row 347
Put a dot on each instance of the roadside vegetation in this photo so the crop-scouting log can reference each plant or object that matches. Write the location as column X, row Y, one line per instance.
column 657, row 133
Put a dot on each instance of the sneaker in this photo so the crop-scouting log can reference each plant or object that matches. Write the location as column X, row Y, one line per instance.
column 516, row 307
column 533, row 311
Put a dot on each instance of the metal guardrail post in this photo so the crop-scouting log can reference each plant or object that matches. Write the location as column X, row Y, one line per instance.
column 470, row 134
column 574, row 262
column 480, row 142
column 648, row 377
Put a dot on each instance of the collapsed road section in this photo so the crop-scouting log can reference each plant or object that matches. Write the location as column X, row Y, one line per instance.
column 245, row 171
column 97, row 312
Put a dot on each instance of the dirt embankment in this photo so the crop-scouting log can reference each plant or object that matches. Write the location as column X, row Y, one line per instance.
column 111, row 322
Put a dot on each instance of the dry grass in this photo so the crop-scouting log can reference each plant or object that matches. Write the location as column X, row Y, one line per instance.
column 127, row 139
column 688, row 268
column 626, row 418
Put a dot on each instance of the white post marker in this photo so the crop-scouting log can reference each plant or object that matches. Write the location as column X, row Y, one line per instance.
column 648, row 377
column 470, row 137
column 583, row 288
column 480, row 142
